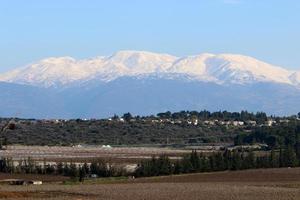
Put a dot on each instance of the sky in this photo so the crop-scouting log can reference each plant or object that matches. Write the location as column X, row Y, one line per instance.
column 30, row 30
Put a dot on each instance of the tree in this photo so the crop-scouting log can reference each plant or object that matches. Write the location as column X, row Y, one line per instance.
column 82, row 174
column 227, row 159
column 204, row 163
column 127, row 117
column 236, row 161
column 262, row 162
column 195, row 161
column 249, row 161
column 281, row 157
column 99, row 167
column 212, row 163
column 66, row 170
column 297, row 145
column 186, row 165
column 86, row 168
column 30, row 165
column 164, row 165
column 273, row 159
column 219, row 162
column 73, row 172
column 289, row 157
column 239, row 139
column 165, row 115
column 94, row 168
column 50, row 169
column 59, row 168
column 261, row 117
column 177, row 167
column 115, row 117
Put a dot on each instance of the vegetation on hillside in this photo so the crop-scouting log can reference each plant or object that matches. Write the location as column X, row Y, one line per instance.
column 179, row 128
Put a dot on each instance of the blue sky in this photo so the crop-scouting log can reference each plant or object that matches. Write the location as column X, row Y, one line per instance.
column 33, row 29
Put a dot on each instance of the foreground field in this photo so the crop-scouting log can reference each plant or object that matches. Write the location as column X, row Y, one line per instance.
column 265, row 184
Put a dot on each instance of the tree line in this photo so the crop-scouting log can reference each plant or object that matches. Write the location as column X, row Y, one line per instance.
column 260, row 117
column 221, row 161
column 162, row 165
column 100, row 168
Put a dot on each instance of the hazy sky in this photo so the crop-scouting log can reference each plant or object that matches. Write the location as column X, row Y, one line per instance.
column 33, row 29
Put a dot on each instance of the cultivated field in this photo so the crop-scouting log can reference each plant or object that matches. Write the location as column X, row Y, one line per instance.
column 78, row 153
column 267, row 184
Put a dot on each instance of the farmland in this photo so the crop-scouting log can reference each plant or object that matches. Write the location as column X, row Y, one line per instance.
column 97, row 159
column 78, row 153
column 261, row 184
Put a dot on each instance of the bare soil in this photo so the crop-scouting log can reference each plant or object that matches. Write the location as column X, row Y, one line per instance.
column 262, row 184
column 44, row 178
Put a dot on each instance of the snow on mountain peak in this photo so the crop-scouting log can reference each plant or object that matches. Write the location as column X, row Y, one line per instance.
column 243, row 69
column 141, row 61
column 51, row 71
column 222, row 68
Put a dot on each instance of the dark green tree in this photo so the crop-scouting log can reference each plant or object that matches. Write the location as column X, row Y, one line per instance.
column 289, row 157
column 195, row 161
column 82, row 174
column 249, row 161
column 73, row 172
column 127, row 117
column 273, row 159
column 186, row 165
column 236, row 161
column 164, row 165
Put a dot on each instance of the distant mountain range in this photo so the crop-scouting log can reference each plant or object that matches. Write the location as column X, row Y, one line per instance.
column 147, row 83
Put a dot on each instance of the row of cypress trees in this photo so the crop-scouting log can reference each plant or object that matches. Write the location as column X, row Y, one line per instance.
column 221, row 161
column 192, row 163
column 28, row 166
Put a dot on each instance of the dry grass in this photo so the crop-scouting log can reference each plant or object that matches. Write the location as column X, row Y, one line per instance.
column 275, row 184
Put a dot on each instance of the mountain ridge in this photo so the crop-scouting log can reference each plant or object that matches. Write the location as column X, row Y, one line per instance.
column 144, row 83
column 217, row 68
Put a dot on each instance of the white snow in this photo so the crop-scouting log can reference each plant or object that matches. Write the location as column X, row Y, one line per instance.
column 242, row 69
column 223, row 68
column 295, row 78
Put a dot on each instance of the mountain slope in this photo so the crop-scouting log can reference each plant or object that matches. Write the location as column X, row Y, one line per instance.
column 223, row 68
column 30, row 102
column 147, row 83
column 144, row 97
column 243, row 69
column 153, row 95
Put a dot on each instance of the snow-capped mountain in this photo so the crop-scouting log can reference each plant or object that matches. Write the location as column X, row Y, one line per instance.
column 223, row 68
column 147, row 83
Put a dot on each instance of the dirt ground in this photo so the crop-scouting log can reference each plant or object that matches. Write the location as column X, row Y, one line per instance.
column 267, row 184
column 44, row 178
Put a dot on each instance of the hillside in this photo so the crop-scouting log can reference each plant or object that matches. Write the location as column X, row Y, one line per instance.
column 185, row 128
